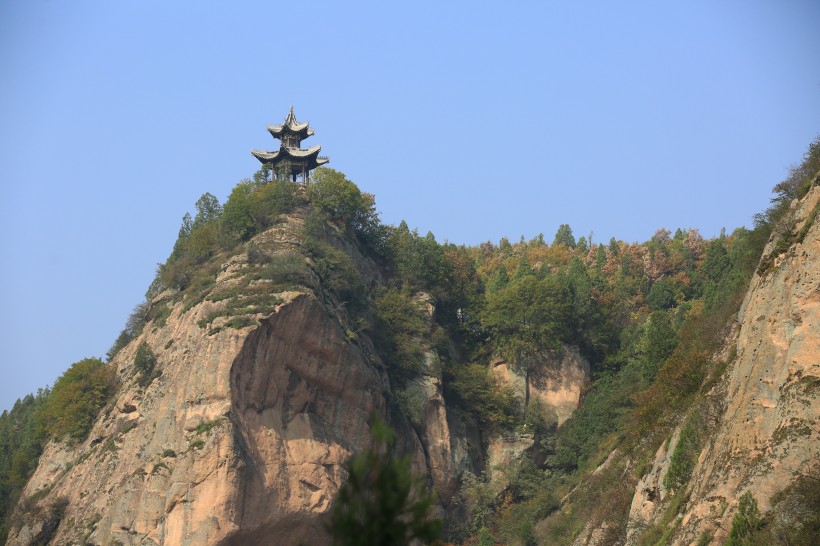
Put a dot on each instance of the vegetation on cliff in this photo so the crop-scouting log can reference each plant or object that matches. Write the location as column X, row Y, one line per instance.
column 65, row 412
column 649, row 317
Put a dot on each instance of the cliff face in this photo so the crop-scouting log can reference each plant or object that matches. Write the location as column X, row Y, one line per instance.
column 243, row 436
column 765, row 409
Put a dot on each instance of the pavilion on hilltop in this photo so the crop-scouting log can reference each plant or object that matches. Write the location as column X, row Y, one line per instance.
column 291, row 159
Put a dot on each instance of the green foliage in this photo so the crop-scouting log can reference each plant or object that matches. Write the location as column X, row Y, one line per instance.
column 238, row 221
column 77, row 397
column 418, row 262
column 704, row 540
column 485, row 538
column 336, row 271
column 493, row 404
column 144, row 363
column 208, row 211
column 686, row 452
column 342, row 200
column 253, row 206
column 478, row 494
column 794, row 518
column 499, row 281
column 658, row 343
column 259, row 299
column 22, row 437
column 197, row 242
column 775, row 218
column 205, row 427
column 528, row 317
column 180, row 270
column 747, row 520
column 133, row 327
column 399, row 325
column 590, row 321
column 382, row 502
column 564, row 236
column 664, row 294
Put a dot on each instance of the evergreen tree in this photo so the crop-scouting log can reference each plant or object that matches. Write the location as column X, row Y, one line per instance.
column 564, row 236
column 382, row 502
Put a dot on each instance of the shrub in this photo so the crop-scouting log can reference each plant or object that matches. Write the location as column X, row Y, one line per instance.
column 481, row 394
column 253, row 206
column 77, row 397
column 205, row 427
column 144, row 363
column 686, row 452
column 22, row 436
column 747, row 520
column 133, row 327
column 336, row 271
column 285, row 269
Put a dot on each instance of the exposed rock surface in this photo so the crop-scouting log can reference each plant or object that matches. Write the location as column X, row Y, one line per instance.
column 768, row 422
column 651, row 490
column 770, row 430
column 243, row 436
column 559, row 385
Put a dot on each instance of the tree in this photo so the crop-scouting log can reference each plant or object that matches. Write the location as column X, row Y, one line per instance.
column 208, row 210
column 564, row 236
column 77, row 397
column 659, row 341
column 527, row 319
column 342, row 200
column 500, row 280
column 382, row 502
column 662, row 295
column 237, row 218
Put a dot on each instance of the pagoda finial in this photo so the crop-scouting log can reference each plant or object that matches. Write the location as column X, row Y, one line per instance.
column 291, row 117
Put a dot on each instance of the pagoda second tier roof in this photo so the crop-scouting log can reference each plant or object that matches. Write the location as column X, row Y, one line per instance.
column 278, row 130
column 290, row 125
column 288, row 153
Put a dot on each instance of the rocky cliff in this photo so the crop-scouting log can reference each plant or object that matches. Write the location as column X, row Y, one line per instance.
column 243, row 432
column 764, row 413
column 267, row 378
column 261, row 393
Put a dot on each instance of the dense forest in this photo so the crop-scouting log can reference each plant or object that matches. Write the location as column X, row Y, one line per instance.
column 648, row 317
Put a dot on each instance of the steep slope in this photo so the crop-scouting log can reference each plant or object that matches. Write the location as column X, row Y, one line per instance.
column 769, row 432
column 260, row 396
column 763, row 415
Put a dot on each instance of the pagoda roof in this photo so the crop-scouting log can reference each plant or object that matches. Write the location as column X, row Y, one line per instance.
column 290, row 125
column 309, row 156
column 286, row 153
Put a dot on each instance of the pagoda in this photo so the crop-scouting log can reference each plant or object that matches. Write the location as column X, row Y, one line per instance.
column 291, row 159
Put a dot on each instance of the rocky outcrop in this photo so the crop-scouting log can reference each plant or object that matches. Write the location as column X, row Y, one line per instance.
column 558, row 382
column 767, row 411
column 243, row 434
column 769, row 432
column 651, row 492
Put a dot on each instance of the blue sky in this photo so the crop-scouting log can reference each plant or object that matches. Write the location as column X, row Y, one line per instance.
column 466, row 119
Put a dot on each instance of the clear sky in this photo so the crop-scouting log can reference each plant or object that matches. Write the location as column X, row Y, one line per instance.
column 474, row 120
